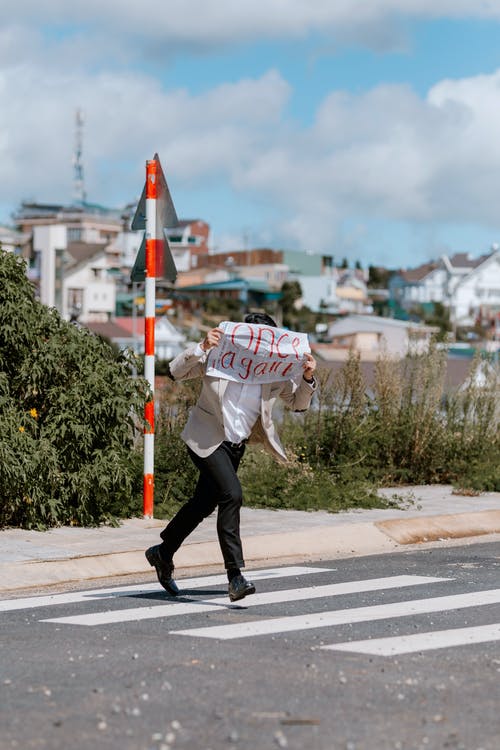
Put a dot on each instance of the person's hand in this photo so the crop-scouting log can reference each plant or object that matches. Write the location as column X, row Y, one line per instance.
column 212, row 339
column 309, row 366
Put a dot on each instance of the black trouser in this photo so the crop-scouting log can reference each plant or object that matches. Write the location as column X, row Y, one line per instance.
column 218, row 486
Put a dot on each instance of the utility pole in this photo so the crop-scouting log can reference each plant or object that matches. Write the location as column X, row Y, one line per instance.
column 78, row 182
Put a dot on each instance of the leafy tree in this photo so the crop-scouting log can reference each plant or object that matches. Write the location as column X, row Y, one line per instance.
column 225, row 306
column 378, row 277
column 69, row 412
column 291, row 292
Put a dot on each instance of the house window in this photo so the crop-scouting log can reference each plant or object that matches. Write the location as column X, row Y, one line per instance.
column 75, row 299
column 74, row 234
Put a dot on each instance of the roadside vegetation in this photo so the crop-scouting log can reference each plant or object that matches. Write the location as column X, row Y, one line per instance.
column 69, row 411
column 71, row 428
column 407, row 428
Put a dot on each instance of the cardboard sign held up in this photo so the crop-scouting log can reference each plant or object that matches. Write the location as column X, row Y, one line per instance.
column 250, row 353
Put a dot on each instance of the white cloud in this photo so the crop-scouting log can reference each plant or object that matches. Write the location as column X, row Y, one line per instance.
column 210, row 23
column 386, row 153
column 190, row 16
column 198, row 136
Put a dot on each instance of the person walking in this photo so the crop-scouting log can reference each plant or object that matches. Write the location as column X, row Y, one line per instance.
column 226, row 416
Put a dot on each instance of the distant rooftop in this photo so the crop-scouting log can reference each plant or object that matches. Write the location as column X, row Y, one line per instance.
column 83, row 251
column 11, row 235
column 419, row 273
column 364, row 323
column 465, row 260
column 258, row 285
column 460, row 262
column 187, row 222
column 42, row 210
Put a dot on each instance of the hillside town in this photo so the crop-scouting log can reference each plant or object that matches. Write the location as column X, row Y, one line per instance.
column 79, row 258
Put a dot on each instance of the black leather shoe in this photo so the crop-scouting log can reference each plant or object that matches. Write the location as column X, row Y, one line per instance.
column 164, row 570
column 239, row 587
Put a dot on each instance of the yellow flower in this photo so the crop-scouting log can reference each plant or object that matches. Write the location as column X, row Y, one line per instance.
column 21, row 429
column 33, row 413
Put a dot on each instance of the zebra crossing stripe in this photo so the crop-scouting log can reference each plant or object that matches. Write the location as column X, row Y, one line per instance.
column 416, row 642
column 73, row 597
column 195, row 606
column 345, row 616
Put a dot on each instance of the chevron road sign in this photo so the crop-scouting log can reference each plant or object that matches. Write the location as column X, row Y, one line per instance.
column 165, row 218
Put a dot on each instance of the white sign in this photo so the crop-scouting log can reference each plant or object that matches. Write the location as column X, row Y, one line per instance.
column 249, row 353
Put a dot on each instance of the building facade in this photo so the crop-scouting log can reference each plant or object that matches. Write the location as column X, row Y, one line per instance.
column 468, row 287
column 372, row 336
column 72, row 248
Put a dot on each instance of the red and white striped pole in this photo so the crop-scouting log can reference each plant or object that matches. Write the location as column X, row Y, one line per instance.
column 149, row 334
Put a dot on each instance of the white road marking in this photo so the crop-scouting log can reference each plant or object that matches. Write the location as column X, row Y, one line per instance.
column 9, row 605
column 409, row 644
column 345, row 616
column 191, row 606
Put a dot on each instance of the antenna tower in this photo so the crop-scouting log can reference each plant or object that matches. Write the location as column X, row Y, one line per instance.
column 78, row 183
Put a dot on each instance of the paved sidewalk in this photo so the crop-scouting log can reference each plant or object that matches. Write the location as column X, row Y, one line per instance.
column 433, row 513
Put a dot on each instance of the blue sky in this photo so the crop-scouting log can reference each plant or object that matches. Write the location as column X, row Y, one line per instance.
column 368, row 130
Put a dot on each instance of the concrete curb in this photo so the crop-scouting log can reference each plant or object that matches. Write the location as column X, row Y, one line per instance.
column 315, row 543
column 435, row 528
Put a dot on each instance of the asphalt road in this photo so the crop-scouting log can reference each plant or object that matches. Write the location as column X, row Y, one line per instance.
column 290, row 667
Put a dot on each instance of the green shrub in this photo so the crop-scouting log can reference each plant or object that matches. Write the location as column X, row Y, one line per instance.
column 69, row 411
column 175, row 473
column 407, row 428
column 473, row 439
column 406, row 418
column 297, row 486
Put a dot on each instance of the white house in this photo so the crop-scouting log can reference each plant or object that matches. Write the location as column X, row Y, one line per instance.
column 319, row 292
column 352, row 291
column 468, row 287
column 129, row 333
column 88, row 288
column 126, row 246
column 57, row 235
column 473, row 292
column 187, row 241
column 12, row 240
column 274, row 273
column 337, row 290
column 372, row 335
column 418, row 286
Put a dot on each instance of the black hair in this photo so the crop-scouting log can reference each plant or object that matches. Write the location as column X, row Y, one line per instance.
column 262, row 319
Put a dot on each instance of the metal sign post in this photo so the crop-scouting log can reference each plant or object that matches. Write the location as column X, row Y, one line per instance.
column 155, row 213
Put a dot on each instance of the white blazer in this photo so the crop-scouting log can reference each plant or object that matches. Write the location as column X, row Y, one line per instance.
column 204, row 430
